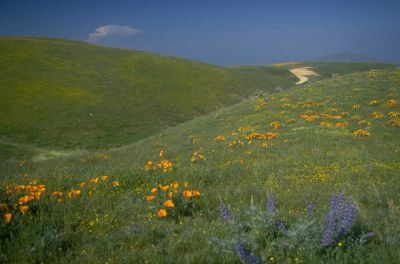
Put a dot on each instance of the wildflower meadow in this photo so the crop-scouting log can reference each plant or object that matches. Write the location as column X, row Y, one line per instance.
column 307, row 175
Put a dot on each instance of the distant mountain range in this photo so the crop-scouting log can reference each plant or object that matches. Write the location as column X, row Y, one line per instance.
column 348, row 57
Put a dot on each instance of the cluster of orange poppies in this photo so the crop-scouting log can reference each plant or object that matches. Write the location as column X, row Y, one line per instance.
column 165, row 165
column 25, row 195
column 166, row 193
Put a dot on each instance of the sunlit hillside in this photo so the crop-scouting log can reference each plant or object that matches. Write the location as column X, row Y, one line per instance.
column 69, row 95
column 192, row 192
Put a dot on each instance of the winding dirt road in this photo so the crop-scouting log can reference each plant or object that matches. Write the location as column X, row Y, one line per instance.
column 302, row 73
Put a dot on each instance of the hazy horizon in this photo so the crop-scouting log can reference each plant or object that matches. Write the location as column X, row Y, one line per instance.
column 224, row 33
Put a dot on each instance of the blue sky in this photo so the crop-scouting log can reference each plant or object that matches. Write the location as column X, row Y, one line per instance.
column 220, row 32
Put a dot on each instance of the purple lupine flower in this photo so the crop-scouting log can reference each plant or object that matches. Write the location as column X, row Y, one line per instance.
column 271, row 203
column 310, row 207
column 329, row 231
column 337, row 203
column 349, row 215
column 225, row 213
column 340, row 218
column 245, row 255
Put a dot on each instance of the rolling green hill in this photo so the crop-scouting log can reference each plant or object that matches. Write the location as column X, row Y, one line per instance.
column 63, row 94
column 331, row 136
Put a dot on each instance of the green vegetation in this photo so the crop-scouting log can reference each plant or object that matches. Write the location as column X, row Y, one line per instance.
column 66, row 94
column 62, row 94
column 331, row 136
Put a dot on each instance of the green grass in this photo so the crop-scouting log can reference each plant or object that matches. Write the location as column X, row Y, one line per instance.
column 63, row 94
column 67, row 94
column 307, row 162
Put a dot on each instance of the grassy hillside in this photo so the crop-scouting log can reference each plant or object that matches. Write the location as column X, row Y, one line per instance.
column 67, row 94
column 62, row 93
column 328, row 137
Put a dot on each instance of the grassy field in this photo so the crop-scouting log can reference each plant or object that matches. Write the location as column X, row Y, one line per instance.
column 298, row 147
column 67, row 94
column 62, row 94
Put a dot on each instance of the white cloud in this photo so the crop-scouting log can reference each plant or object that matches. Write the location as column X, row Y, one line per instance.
column 110, row 31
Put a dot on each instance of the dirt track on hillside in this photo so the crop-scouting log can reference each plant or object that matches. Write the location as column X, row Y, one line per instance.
column 302, row 73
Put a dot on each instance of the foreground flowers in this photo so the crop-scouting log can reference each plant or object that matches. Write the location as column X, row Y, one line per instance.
column 26, row 198
column 310, row 234
column 162, row 213
column 172, row 199
column 169, row 204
